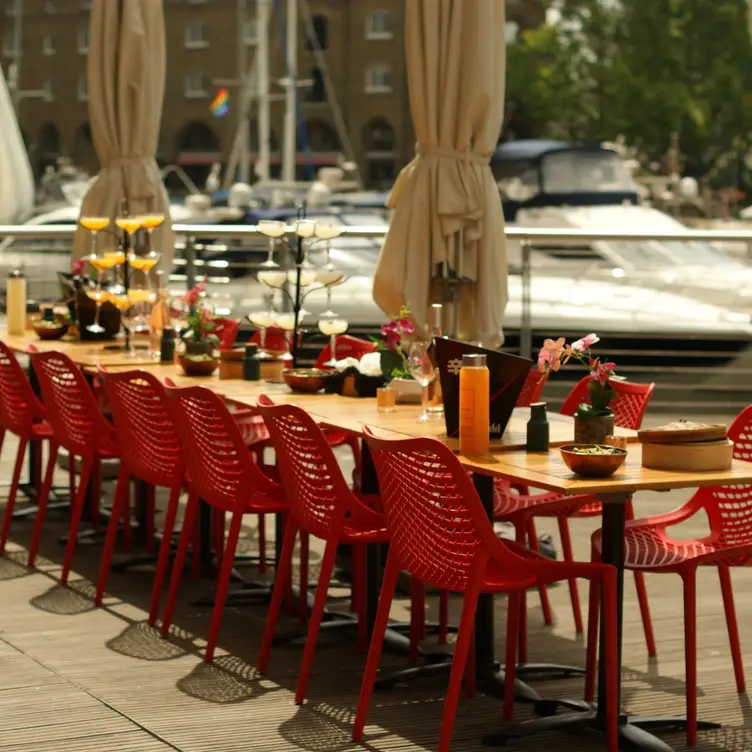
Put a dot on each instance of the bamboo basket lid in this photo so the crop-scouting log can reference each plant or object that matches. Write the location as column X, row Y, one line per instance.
column 683, row 432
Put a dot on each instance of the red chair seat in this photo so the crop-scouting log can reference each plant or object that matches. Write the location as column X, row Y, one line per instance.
column 41, row 430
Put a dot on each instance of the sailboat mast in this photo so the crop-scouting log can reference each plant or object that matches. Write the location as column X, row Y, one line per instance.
column 14, row 77
column 243, row 125
column 289, row 145
column 263, row 9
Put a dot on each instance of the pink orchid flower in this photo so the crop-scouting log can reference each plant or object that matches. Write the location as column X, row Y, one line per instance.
column 585, row 343
column 550, row 355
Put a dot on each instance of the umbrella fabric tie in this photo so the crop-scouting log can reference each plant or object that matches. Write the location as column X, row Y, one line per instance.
column 127, row 161
column 429, row 150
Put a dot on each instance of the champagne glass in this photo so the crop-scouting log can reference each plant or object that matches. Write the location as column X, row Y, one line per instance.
column 94, row 225
column 286, row 322
column 262, row 320
column 144, row 264
column 123, row 303
column 421, row 368
column 130, row 225
column 272, row 278
column 150, row 222
column 328, row 229
column 273, row 230
column 331, row 326
column 329, row 278
column 98, row 295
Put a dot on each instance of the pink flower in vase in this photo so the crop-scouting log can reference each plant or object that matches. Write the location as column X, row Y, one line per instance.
column 585, row 343
column 550, row 354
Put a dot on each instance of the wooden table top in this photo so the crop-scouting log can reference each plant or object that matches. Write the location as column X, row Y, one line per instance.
column 507, row 458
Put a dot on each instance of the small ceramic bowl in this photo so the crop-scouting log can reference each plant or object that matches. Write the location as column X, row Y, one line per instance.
column 197, row 365
column 593, row 465
column 306, row 380
column 49, row 329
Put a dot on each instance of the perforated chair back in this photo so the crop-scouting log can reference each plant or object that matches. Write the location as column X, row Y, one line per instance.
column 220, row 468
column 19, row 406
column 227, row 331
column 437, row 524
column 347, row 347
column 628, row 406
column 532, row 388
column 146, row 433
column 72, row 410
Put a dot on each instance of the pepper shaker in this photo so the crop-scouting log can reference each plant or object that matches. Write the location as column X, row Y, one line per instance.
column 537, row 428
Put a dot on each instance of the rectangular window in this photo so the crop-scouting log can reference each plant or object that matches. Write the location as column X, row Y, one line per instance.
column 378, row 79
column 9, row 43
column 379, row 25
column 83, row 40
column 251, row 32
column 196, row 37
column 194, row 86
column 82, row 89
column 48, row 45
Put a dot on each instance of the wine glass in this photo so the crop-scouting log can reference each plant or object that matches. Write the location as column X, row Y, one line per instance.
column 331, row 326
column 98, row 295
column 422, row 370
column 262, row 320
column 272, row 229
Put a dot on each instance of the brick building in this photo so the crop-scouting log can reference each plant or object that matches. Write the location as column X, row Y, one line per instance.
column 363, row 51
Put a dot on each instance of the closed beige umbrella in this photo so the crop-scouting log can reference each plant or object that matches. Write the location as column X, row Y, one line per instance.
column 126, row 73
column 456, row 58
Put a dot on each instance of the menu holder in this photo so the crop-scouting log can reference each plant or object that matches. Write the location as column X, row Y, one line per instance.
column 507, row 375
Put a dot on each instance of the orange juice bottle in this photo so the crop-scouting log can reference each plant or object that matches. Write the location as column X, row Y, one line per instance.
column 475, row 398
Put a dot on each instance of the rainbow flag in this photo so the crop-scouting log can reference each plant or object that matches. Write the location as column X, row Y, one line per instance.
column 220, row 105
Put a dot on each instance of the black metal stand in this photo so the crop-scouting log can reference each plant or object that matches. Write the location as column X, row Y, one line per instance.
column 634, row 732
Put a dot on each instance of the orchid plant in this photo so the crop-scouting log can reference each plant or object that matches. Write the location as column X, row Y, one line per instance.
column 556, row 353
column 393, row 358
column 199, row 318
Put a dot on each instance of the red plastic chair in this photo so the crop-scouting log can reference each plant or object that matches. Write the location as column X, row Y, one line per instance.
column 277, row 341
column 151, row 453
column 221, row 472
column 440, row 534
column 321, row 505
column 520, row 508
column 22, row 414
column 79, row 427
column 650, row 547
column 347, row 347
column 227, row 331
column 533, row 388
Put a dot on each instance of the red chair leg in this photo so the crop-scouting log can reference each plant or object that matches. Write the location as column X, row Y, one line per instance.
column 38, row 447
column 186, row 536
column 262, row 542
column 513, row 625
column 733, row 629
column 354, row 582
column 574, row 595
column 610, row 631
column 354, row 443
column 462, row 648
column 377, row 643
column 76, row 512
column 532, row 537
column 42, row 499
column 121, row 490
column 319, row 603
column 223, row 583
column 164, row 553
column 303, row 604
column 592, row 640
column 8, row 517
column 280, row 587
column 96, row 493
column 647, row 623
column 521, row 530
column 470, row 675
column 690, row 653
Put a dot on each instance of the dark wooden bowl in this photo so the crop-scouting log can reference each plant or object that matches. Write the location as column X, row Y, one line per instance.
column 592, row 465
column 49, row 332
column 306, row 380
column 193, row 367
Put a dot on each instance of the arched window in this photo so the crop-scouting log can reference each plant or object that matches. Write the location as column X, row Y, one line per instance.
column 378, row 136
column 322, row 136
column 196, row 136
column 48, row 141
column 317, row 92
column 82, row 153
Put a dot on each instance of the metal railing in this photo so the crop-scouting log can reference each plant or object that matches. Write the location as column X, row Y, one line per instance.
column 730, row 395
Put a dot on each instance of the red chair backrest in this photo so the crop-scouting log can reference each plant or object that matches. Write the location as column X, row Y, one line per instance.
column 312, row 478
column 276, row 340
column 729, row 508
column 532, row 388
column 19, row 406
column 437, row 524
column 227, row 331
column 628, row 406
column 347, row 347
column 146, row 433
column 220, row 466
column 72, row 410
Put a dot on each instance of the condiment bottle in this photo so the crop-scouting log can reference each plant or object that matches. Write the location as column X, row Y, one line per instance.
column 475, row 400
column 537, row 428
column 167, row 345
column 15, row 297
column 251, row 364
column 435, row 329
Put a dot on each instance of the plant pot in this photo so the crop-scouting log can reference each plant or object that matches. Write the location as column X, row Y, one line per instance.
column 199, row 348
column 593, row 430
column 408, row 390
column 198, row 367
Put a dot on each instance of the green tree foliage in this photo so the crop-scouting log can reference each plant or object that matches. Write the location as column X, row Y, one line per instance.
column 642, row 68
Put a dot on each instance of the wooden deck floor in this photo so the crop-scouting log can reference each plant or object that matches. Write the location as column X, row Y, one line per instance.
column 72, row 677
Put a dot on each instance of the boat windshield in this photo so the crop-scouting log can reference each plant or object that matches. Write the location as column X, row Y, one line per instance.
column 585, row 172
column 653, row 254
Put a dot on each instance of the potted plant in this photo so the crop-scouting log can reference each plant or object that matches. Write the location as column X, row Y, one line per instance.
column 393, row 358
column 199, row 337
column 593, row 421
